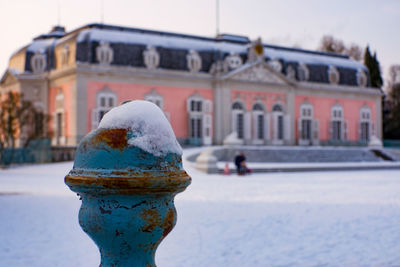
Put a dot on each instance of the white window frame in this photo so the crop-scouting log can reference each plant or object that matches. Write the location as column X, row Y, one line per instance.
column 365, row 117
column 201, row 109
column 306, row 114
column 277, row 117
column 337, row 115
column 236, row 112
column 257, row 114
column 155, row 98
column 102, row 109
column 59, row 125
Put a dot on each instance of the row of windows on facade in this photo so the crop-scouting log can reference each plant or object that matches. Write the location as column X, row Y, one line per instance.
column 308, row 128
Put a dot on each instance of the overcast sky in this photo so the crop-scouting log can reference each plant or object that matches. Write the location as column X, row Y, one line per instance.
column 281, row 22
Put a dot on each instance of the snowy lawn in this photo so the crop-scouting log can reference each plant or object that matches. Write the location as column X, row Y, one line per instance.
column 289, row 219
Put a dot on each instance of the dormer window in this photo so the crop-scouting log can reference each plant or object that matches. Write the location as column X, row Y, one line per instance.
column 290, row 73
column 193, row 61
column 333, row 75
column 361, row 78
column 38, row 62
column 151, row 58
column 234, row 61
column 65, row 55
column 303, row 72
column 104, row 53
column 275, row 64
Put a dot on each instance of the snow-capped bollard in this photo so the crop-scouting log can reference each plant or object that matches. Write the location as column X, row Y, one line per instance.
column 127, row 173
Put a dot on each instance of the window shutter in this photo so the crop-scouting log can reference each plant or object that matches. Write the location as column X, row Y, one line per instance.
column 188, row 104
column 207, row 129
column 208, row 106
column 299, row 129
column 267, row 126
column 54, row 124
column 345, row 132
column 234, row 122
column 330, row 130
column 247, row 125
column 372, row 130
column 359, row 130
column 63, row 117
column 255, row 124
column 286, row 127
column 315, row 130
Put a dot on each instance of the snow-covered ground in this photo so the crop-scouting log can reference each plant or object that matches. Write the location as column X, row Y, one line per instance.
column 277, row 219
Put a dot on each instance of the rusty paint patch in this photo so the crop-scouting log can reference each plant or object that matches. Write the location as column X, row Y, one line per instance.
column 152, row 219
column 168, row 223
column 103, row 211
column 114, row 138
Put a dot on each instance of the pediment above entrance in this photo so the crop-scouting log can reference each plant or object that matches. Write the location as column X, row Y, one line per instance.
column 256, row 72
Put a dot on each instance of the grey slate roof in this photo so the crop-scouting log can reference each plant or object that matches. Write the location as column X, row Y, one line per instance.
column 128, row 45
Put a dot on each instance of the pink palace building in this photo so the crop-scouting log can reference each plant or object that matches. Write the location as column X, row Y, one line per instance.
column 208, row 88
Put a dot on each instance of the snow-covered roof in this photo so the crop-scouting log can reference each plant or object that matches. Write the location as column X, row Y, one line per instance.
column 187, row 42
column 41, row 45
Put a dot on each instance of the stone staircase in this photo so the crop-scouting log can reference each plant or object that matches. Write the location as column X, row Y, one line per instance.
column 299, row 154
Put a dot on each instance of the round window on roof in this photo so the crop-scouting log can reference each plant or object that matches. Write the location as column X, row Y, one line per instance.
column 276, row 65
column 333, row 74
column 234, row 61
column 151, row 57
column 361, row 78
column 38, row 62
column 290, row 72
column 104, row 53
column 193, row 61
column 303, row 72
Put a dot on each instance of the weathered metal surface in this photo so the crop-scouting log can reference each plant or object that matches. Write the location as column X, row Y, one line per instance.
column 127, row 196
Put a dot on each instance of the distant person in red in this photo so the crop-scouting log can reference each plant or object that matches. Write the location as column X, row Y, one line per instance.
column 240, row 162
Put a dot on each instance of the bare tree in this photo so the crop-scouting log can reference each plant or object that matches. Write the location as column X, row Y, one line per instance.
column 20, row 123
column 331, row 44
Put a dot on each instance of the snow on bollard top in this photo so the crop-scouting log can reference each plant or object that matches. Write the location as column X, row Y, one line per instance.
column 152, row 131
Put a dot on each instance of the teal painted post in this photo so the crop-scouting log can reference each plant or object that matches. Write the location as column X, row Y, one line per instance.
column 127, row 196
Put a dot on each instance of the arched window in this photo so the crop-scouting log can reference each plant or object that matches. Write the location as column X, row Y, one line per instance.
column 305, row 123
column 338, row 127
column 365, row 124
column 238, row 119
column 278, row 117
column 200, row 120
column 258, row 123
column 155, row 98
column 105, row 101
column 59, row 118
